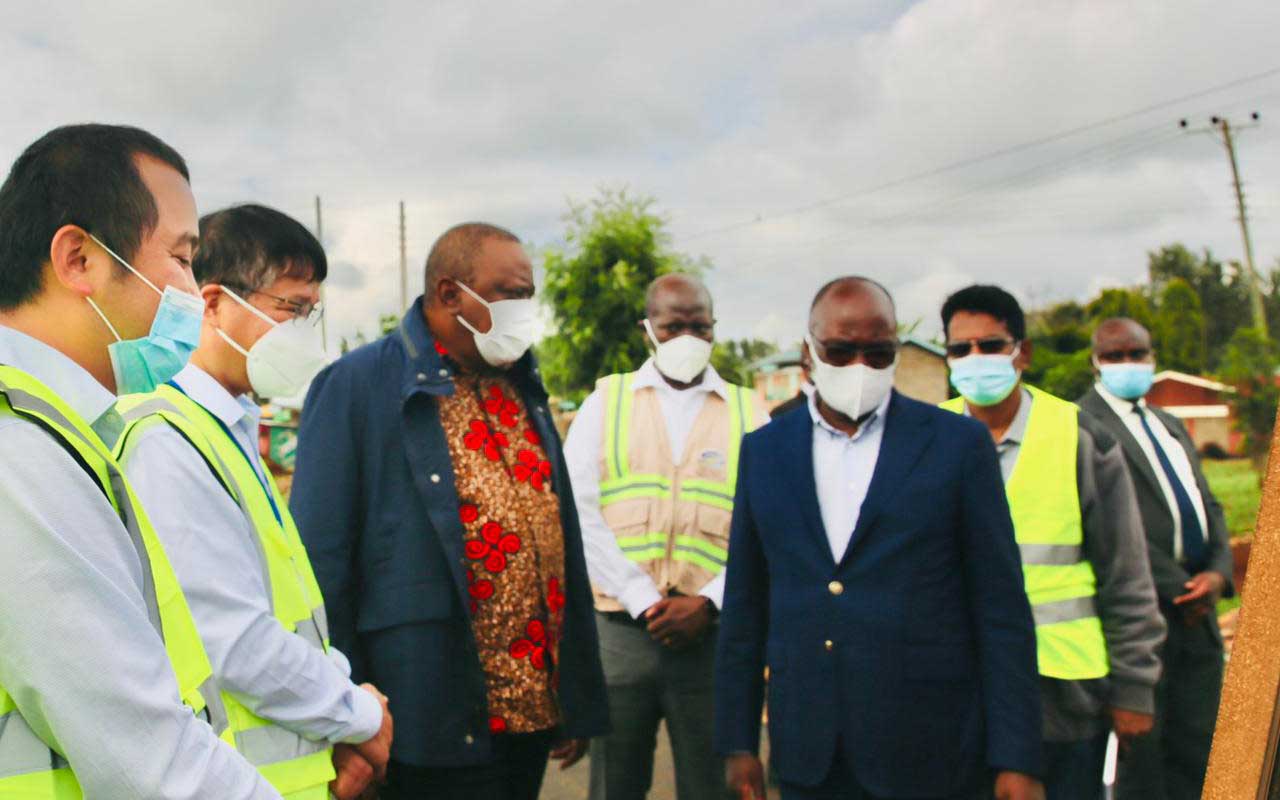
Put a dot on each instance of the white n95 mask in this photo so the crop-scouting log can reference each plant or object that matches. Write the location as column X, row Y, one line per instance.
column 681, row 359
column 285, row 359
column 853, row 390
column 513, row 324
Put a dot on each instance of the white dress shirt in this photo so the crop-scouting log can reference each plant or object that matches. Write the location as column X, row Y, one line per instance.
column 1173, row 451
column 277, row 674
column 842, row 469
column 608, row 566
column 77, row 652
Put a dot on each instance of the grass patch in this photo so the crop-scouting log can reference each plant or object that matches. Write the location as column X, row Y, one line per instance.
column 1235, row 484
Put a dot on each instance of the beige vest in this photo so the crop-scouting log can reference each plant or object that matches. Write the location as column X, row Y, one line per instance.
column 671, row 518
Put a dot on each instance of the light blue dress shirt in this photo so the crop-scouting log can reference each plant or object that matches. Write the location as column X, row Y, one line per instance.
column 842, row 470
column 77, row 651
column 277, row 674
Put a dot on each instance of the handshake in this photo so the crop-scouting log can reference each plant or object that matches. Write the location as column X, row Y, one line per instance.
column 361, row 767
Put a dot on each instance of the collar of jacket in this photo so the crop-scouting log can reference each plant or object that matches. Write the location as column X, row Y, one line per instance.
column 427, row 371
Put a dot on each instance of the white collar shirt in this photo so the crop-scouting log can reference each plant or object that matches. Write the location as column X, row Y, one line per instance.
column 842, row 470
column 680, row 407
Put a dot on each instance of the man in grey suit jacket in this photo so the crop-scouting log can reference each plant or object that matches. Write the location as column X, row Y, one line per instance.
column 1190, row 561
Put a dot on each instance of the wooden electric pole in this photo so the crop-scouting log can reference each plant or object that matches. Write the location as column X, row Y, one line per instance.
column 324, row 327
column 1223, row 126
column 404, row 266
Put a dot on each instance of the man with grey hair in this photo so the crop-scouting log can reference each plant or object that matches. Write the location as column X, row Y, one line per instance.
column 653, row 457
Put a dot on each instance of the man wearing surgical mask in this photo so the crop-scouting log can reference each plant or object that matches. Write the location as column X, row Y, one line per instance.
column 872, row 568
column 105, row 689
column 655, row 509
column 1190, row 556
column 190, row 448
column 1076, row 519
column 433, row 499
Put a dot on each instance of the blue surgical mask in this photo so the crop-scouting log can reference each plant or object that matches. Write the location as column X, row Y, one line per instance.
column 140, row 365
column 984, row 380
column 1128, row 381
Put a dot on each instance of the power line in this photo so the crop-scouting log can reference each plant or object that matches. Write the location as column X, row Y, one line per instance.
column 988, row 156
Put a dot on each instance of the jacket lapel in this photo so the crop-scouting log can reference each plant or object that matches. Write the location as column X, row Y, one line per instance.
column 1138, row 461
column 906, row 435
column 795, row 460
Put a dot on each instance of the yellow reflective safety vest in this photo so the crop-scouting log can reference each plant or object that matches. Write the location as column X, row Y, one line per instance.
column 29, row 768
column 671, row 520
column 297, row 767
column 1044, row 500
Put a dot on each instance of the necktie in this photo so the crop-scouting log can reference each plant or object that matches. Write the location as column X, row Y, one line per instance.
column 1193, row 544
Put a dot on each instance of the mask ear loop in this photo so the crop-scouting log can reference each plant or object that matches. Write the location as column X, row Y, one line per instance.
column 259, row 313
column 104, row 319
column 648, row 328
column 126, row 264
column 482, row 302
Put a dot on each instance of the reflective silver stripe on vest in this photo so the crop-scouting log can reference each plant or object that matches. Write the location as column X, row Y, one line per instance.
column 321, row 619
column 159, row 404
column 21, row 751
column 33, row 404
column 215, row 713
column 1064, row 610
column 702, row 553
column 1051, row 555
column 270, row 745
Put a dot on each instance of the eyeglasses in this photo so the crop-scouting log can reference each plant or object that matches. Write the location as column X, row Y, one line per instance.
column 311, row 312
column 988, row 347
column 877, row 355
column 1132, row 354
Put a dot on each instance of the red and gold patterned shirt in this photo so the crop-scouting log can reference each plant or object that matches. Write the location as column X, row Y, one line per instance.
column 514, row 546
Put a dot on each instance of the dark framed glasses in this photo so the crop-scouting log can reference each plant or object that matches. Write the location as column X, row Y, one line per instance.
column 988, row 347
column 1132, row 354
column 877, row 355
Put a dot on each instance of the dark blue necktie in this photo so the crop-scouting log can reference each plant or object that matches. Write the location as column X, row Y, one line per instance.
column 1193, row 545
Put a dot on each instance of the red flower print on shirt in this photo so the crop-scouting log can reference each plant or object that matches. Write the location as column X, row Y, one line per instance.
column 504, row 408
column 492, row 547
column 469, row 513
column 440, row 348
column 532, row 469
column 534, row 645
column 497, row 724
column 481, row 438
column 555, row 596
column 531, row 436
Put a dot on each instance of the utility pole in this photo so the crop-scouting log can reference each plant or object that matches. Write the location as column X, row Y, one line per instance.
column 324, row 327
column 1222, row 125
column 404, row 266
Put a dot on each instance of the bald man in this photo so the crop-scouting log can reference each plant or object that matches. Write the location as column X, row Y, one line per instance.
column 432, row 497
column 1190, row 552
column 653, row 456
column 873, row 569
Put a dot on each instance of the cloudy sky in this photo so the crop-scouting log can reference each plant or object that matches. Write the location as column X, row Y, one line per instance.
column 761, row 129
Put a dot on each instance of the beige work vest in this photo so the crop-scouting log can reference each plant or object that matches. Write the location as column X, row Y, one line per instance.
column 670, row 518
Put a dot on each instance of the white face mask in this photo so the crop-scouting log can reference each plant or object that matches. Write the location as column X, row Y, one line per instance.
column 681, row 359
column 513, row 324
column 853, row 390
column 285, row 359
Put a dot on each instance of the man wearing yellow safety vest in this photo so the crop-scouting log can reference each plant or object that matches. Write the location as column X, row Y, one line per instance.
column 1076, row 521
column 653, row 459
column 105, row 689
column 190, row 448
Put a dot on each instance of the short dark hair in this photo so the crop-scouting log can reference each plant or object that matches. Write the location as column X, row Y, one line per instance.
column 986, row 299
column 251, row 246
column 81, row 175
column 453, row 253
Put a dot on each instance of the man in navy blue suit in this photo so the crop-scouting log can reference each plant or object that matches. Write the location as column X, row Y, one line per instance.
column 873, row 569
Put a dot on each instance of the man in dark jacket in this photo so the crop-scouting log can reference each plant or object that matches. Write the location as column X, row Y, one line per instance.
column 432, row 495
column 1190, row 554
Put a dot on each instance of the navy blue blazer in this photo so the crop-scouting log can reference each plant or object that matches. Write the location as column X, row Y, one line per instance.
column 375, row 502
column 930, row 676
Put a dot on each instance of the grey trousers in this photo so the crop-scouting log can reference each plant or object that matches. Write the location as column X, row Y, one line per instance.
column 648, row 683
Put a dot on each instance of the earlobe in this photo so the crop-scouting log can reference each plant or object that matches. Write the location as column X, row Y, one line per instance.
column 211, row 294
column 69, row 259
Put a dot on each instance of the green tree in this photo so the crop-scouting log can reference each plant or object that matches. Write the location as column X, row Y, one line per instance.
column 1249, row 364
column 1179, row 331
column 387, row 323
column 733, row 359
column 1130, row 303
column 615, row 245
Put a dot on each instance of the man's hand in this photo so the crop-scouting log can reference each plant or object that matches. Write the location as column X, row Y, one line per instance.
column 679, row 621
column 355, row 775
column 744, row 775
column 1129, row 725
column 1017, row 786
column 377, row 751
column 1203, row 591
column 569, row 752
